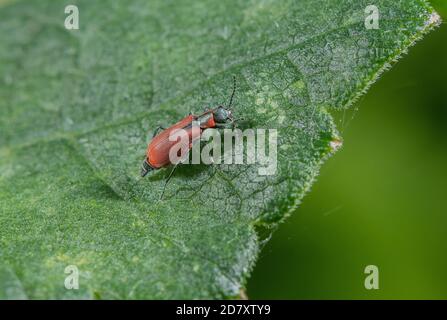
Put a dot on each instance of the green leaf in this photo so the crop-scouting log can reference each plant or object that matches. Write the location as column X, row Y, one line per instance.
column 77, row 109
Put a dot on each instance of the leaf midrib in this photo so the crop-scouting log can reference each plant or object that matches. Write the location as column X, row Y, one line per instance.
column 73, row 134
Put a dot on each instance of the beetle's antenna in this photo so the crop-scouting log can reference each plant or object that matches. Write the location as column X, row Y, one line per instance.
column 232, row 94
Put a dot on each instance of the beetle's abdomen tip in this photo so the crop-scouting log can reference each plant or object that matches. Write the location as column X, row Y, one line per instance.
column 143, row 172
column 145, row 168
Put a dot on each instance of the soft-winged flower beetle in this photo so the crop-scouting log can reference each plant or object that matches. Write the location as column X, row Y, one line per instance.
column 157, row 154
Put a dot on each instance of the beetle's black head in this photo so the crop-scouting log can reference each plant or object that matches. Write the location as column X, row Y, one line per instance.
column 222, row 115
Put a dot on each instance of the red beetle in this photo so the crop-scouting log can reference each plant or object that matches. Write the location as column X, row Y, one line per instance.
column 157, row 154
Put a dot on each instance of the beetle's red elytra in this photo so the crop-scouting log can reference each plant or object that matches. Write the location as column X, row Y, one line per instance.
column 157, row 154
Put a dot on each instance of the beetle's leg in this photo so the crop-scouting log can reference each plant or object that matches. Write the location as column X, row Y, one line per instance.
column 225, row 126
column 157, row 130
column 167, row 180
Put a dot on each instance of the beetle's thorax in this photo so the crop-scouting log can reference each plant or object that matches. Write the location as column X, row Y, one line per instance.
column 206, row 120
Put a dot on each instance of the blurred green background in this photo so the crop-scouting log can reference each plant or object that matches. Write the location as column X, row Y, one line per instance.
column 381, row 200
